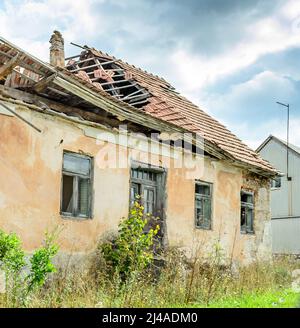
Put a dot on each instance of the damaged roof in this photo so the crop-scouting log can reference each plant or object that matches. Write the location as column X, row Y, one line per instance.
column 131, row 94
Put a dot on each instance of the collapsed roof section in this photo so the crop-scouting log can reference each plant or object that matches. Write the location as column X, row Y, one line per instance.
column 105, row 74
column 164, row 103
column 19, row 69
column 99, row 87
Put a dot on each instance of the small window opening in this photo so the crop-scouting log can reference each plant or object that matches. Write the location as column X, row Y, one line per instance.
column 276, row 183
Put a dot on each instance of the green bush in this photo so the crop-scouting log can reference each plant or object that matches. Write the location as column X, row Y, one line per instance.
column 41, row 263
column 132, row 250
column 12, row 261
column 12, row 257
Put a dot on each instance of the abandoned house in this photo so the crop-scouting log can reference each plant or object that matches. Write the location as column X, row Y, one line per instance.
column 81, row 136
column 285, row 206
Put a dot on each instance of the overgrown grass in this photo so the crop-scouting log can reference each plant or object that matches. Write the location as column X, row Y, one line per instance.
column 284, row 298
column 179, row 284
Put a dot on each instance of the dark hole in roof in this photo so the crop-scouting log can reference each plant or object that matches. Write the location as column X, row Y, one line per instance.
column 107, row 75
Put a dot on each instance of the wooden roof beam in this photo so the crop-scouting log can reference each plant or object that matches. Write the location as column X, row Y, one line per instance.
column 139, row 102
column 7, row 68
column 42, row 85
column 123, row 87
column 92, row 66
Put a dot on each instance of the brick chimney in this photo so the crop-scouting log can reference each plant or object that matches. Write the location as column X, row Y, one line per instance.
column 57, row 51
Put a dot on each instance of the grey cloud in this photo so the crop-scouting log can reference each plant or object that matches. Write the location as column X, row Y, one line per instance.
column 148, row 32
column 254, row 101
column 202, row 26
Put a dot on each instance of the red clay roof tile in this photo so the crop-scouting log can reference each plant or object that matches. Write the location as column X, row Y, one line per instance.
column 168, row 105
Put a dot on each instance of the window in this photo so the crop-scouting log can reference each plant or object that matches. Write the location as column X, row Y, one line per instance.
column 276, row 183
column 144, row 184
column 203, row 205
column 247, row 212
column 76, row 185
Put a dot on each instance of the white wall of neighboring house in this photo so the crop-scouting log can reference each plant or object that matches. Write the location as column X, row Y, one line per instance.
column 285, row 201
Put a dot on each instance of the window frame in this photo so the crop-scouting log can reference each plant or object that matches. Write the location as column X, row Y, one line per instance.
column 145, row 183
column 75, row 212
column 274, row 181
column 161, row 239
column 160, row 183
column 210, row 197
column 247, row 206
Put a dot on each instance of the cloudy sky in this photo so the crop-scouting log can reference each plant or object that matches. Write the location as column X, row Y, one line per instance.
column 234, row 58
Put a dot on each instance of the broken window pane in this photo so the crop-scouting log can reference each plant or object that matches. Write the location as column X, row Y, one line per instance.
column 203, row 205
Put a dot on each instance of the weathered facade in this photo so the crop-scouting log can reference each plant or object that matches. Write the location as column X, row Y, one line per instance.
column 73, row 152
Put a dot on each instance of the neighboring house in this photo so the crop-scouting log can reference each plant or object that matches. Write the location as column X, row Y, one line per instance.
column 285, row 191
column 80, row 138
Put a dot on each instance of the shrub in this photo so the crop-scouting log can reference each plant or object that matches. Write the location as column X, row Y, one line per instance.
column 41, row 264
column 132, row 249
column 12, row 257
column 12, row 261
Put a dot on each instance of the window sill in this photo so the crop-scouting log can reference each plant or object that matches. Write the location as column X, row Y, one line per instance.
column 248, row 233
column 203, row 228
column 74, row 218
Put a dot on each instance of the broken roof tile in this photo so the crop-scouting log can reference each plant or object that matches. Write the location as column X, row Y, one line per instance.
column 132, row 87
column 168, row 105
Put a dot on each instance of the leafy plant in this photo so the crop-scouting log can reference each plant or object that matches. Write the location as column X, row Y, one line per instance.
column 12, row 257
column 13, row 263
column 41, row 263
column 132, row 250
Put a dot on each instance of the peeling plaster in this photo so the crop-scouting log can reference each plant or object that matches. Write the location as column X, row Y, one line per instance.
column 30, row 182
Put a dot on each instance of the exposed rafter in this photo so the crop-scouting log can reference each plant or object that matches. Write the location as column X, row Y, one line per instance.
column 9, row 66
column 111, row 78
column 94, row 80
